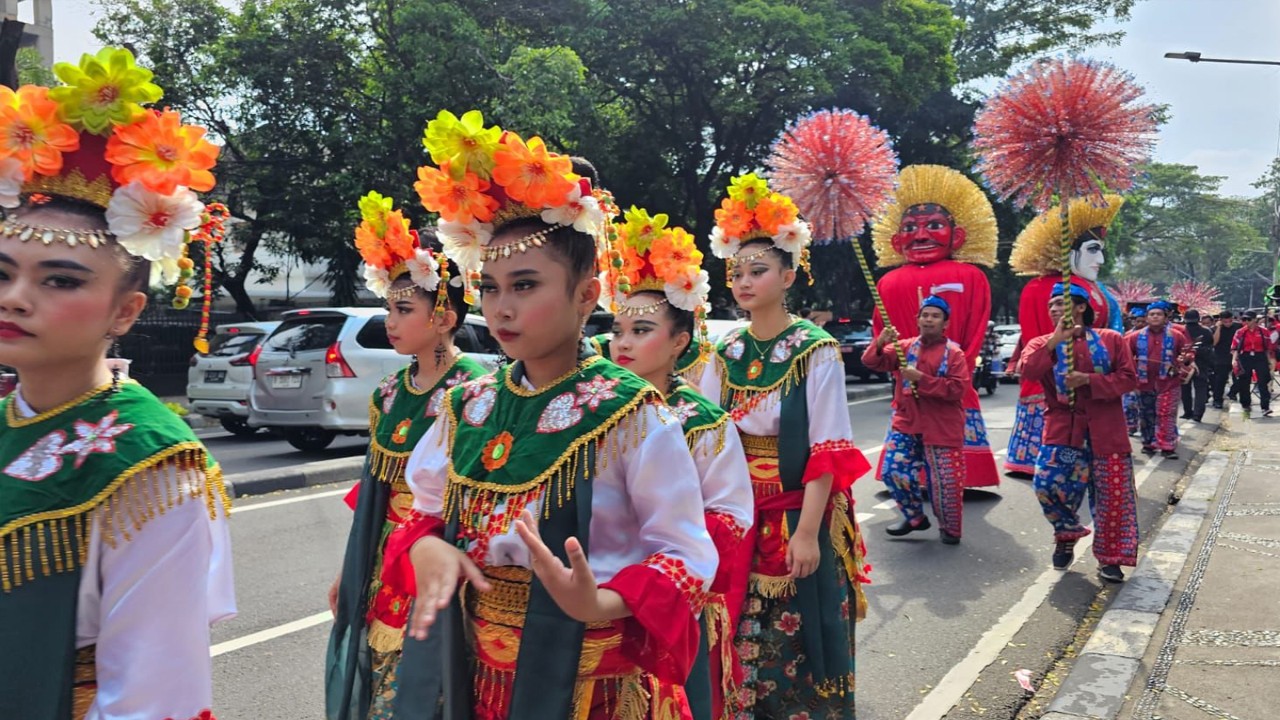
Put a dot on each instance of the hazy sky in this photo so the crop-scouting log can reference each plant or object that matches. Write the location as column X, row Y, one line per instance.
column 1226, row 118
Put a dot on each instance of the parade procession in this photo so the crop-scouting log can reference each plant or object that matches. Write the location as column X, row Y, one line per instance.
column 627, row 378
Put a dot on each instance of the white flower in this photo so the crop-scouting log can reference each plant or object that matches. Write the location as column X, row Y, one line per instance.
column 793, row 238
column 151, row 225
column 691, row 292
column 165, row 272
column 377, row 280
column 424, row 270
column 581, row 211
column 11, row 178
column 606, row 293
column 723, row 246
column 463, row 242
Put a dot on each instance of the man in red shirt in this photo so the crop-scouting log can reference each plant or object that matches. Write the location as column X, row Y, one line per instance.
column 1085, row 447
column 1162, row 357
column 926, row 438
column 1252, row 359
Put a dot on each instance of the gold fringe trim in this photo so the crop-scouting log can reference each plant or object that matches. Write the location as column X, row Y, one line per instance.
column 57, row 541
column 695, row 435
column 761, row 397
column 475, row 499
column 383, row 638
column 838, row 687
column 772, row 586
column 633, row 703
column 846, row 543
column 386, row 465
column 720, row 637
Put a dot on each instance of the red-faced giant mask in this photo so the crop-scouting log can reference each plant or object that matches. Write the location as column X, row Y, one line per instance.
column 927, row 234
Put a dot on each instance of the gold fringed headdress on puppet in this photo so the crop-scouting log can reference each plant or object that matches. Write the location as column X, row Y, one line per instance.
column 486, row 177
column 92, row 140
column 960, row 196
column 753, row 211
column 1038, row 249
column 658, row 258
column 391, row 250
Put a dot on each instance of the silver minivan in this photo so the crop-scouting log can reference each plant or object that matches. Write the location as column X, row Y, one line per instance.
column 218, row 382
column 314, row 375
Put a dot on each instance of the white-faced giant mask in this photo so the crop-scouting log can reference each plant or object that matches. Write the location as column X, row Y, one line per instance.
column 1087, row 259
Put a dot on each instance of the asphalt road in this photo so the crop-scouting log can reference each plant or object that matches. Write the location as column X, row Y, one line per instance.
column 938, row 614
column 265, row 451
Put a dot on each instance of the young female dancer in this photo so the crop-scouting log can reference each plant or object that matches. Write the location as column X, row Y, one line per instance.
column 425, row 307
column 527, row 473
column 114, row 549
column 653, row 330
column 782, row 381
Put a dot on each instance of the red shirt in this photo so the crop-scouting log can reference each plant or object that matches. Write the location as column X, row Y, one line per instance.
column 1155, row 349
column 1098, row 410
column 936, row 415
column 1256, row 340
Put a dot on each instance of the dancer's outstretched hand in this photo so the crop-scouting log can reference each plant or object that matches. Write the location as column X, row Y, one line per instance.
column 574, row 587
column 437, row 568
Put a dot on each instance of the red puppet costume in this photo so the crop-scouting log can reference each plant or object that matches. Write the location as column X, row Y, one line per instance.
column 1038, row 252
column 939, row 227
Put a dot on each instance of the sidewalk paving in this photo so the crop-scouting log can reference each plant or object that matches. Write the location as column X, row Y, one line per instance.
column 1195, row 632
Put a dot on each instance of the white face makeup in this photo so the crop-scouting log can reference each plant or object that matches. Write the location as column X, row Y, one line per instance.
column 1087, row 260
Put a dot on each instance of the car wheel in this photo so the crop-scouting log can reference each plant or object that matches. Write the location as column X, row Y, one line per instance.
column 238, row 427
column 309, row 439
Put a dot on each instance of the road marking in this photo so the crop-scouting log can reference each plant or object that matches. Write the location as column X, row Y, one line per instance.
column 288, row 501
column 270, row 633
column 884, row 505
column 873, row 450
column 953, row 686
column 851, row 403
column 863, row 517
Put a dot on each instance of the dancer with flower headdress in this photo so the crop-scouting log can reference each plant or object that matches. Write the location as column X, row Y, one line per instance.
column 1085, row 450
column 782, row 382
column 425, row 308
column 660, row 295
column 936, row 231
column 527, row 473
column 114, row 545
column 1038, row 252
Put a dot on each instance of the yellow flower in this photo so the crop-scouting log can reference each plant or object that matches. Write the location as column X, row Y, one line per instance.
column 465, row 144
column 642, row 228
column 105, row 90
column 374, row 209
column 748, row 189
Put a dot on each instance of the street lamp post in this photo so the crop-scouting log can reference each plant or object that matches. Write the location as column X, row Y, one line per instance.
column 1196, row 57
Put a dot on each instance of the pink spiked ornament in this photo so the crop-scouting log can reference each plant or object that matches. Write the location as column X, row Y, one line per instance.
column 1064, row 127
column 838, row 168
column 1196, row 295
column 1133, row 291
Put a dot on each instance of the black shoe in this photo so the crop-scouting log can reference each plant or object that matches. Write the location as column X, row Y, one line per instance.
column 1217, row 406
column 1063, row 553
column 1148, row 450
column 1266, row 413
column 1169, row 454
column 947, row 538
column 1184, row 417
column 1111, row 573
column 904, row 527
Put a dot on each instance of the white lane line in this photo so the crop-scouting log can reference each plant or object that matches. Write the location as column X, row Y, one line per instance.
column 851, row 403
column 887, row 504
column 270, row 633
column 863, row 517
column 237, row 509
column 951, row 689
column 873, row 450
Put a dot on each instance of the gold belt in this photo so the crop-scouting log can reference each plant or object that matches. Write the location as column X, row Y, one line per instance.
column 507, row 602
column 760, row 445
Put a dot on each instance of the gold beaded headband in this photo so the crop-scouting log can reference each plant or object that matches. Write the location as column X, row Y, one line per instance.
column 533, row 240
column 752, row 256
column 637, row 310
column 402, row 293
column 12, row 227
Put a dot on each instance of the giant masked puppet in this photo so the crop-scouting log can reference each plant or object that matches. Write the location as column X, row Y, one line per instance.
column 938, row 228
column 1038, row 252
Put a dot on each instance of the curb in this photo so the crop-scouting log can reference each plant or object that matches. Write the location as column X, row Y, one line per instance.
column 322, row 472
column 1096, row 687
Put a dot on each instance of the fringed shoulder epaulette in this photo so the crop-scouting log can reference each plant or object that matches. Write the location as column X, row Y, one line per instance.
column 756, row 375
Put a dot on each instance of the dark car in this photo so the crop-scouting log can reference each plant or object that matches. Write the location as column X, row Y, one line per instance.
column 854, row 337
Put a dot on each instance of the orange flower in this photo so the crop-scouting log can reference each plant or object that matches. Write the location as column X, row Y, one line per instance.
column 674, row 254
column 734, row 218
column 774, row 211
column 31, row 132
column 460, row 201
column 401, row 434
column 498, row 451
column 399, row 240
column 162, row 153
column 530, row 174
column 632, row 263
column 372, row 250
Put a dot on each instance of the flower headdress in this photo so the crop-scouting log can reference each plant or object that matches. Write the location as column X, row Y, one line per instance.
column 1038, row 249
column 485, row 178
column 652, row 256
column 960, row 196
column 93, row 141
column 390, row 250
column 754, row 211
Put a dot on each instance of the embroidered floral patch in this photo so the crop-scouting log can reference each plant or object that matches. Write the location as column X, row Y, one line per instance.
column 40, row 460
column 561, row 413
column 754, row 369
column 735, row 349
column 498, row 451
column 477, row 409
column 684, row 410
column 678, row 573
column 401, row 434
column 595, row 391
column 96, row 437
column 388, row 389
column 435, row 403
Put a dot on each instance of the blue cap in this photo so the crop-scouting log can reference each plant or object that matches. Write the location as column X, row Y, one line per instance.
column 1076, row 291
column 1138, row 312
column 936, row 302
column 1163, row 305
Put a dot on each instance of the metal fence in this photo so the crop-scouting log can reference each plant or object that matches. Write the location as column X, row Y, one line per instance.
column 159, row 347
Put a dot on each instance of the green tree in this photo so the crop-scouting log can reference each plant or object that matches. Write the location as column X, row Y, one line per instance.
column 32, row 69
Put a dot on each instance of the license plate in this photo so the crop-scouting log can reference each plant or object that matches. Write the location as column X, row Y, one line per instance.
column 286, row 382
column 215, row 376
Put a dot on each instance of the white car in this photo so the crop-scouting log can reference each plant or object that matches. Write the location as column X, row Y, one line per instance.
column 218, row 383
column 314, row 375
